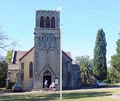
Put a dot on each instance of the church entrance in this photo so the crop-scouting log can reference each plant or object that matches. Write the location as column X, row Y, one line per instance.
column 47, row 76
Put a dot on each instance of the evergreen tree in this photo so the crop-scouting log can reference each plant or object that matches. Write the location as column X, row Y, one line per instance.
column 100, row 65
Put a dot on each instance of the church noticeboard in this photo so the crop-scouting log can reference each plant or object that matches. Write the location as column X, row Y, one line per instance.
column 56, row 81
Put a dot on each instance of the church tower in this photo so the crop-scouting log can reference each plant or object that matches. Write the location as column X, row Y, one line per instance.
column 47, row 48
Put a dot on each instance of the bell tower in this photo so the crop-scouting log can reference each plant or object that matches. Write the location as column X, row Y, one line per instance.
column 47, row 48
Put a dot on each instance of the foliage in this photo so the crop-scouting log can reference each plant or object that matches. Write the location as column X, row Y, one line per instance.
column 100, row 65
column 3, row 73
column 113, row 76
column 9, row 56
column 115, row 59
column 10, row 84
column 86, row 65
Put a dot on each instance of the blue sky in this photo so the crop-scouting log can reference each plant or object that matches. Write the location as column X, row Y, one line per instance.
column 80, row 20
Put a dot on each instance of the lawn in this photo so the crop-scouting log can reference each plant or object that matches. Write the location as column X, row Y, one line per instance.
column 99, row 94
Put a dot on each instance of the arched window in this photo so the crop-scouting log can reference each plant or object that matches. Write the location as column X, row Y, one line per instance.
column 47, row 22
column 52, row 22
column 52, row 39
column 47, row 38
column 42, row 38
column 42, row 22
column 31, row 70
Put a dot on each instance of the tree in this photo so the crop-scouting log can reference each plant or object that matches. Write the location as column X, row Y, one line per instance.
column 113, row 76
column 100, row 65
column 115, row 59
column 6, row 42
column 3, row 73
column 86, row 65
column 9, row 56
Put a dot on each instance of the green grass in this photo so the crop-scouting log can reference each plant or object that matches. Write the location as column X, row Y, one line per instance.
column 5, row 90
column 82, row 95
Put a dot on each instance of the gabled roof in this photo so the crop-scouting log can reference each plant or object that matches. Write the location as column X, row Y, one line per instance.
column 17, row 55
column 26, row 53
column 15, row 60
column 67, row 54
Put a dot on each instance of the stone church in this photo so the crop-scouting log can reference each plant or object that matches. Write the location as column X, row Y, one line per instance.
column 31, row 68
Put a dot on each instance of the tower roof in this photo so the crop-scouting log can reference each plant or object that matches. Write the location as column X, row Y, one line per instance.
column 47, row 10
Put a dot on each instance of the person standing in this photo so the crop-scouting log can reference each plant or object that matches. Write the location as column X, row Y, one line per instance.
column 45, row 84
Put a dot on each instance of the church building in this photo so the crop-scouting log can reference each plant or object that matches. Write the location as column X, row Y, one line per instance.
column 42, row 62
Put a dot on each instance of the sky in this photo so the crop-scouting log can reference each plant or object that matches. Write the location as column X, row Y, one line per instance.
column 80, row 20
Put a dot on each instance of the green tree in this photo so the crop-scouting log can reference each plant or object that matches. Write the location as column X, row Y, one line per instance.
column 3, row 73
column 9, row 56
column 113, row 76
column 100, row 65
column 115, row 59
column 86, row 65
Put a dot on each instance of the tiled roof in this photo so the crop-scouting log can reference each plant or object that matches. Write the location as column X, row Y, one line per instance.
column 13, row 67
column 18, row 54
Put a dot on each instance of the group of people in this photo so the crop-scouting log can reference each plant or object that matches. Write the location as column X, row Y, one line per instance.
column 51, row 87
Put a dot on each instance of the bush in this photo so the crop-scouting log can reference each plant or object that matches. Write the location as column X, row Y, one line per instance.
column 10, row 84
column 2, row 82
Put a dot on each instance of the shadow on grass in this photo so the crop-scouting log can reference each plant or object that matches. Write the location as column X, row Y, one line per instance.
column 85, row 95
column 55, row 96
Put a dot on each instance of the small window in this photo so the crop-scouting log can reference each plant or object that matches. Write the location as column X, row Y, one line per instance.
column 47, row 22
column 52, row 22
column 52, row 39
column 42, row 22
column 31, row 70
column 22, row 66
column 22, row 71
column 42, row 38
column 47, row 38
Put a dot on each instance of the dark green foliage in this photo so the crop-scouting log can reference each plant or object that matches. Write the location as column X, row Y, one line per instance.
column 100, row 65
column 86, row 65
column 10, row 84
column 115, row 59
column 3, row 73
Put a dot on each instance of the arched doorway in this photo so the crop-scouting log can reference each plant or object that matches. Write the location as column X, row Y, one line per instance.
column 47, row 76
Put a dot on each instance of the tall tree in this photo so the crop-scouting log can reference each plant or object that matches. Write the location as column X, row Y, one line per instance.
column 115, row 59
column 100, row 65
column 86, row 65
